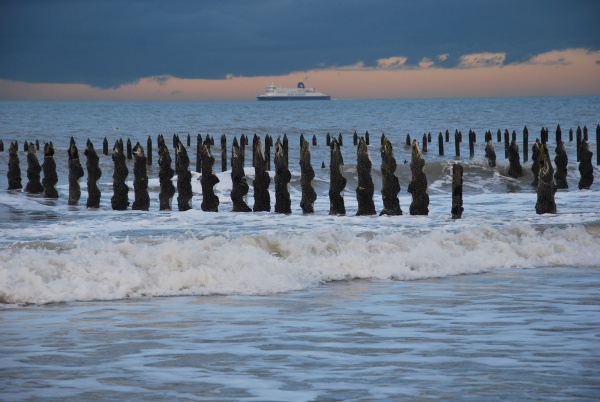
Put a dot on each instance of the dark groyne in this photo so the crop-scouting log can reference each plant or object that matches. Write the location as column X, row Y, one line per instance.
column 261, row 160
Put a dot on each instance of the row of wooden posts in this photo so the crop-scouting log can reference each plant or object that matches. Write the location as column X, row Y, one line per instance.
column 579, row 136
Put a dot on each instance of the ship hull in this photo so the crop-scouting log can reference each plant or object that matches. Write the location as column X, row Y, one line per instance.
column 292, row 98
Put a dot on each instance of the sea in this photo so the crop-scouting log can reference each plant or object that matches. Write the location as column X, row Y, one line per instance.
column 500, row 305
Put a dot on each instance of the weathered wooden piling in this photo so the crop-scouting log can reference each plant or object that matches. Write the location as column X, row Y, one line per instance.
column 355, row 142
column 268, row 146
column 514, row 170
column 283, row 202
column 328, row 140
column 499, row 135
column 189, row 140
column 307, row 174
column 506, row 143
column 243, row 140
column 262, row 198
column 390, row 184
column 490, row 153
column 456, row 145
column 418, row 184
column 198, row 153
column 525, row 144
column 365, row 188
column 340, row 140
column 441, row 144
column 598, row 145
column 561, row 161
column 585, row 133
column 578, row 144
column 570, row 135
column 546, row 187
column 586, row 170
column 407, row 143
column 314, row 140
column 75, row 173
column 429, row 137
column 34, row 186
column 141, row 199
column 457, row 191
column 93, row 175
column 337, row 181
column 165, row 176
column 49, row 168
column 129, row 149
column 239, row 187
column 558, row 134
column 471, row 144
column 14, row 171
column 1, row 146
column 223, row 153
column 184, row 178
column 120, row 199
column 535, row 158
column 26, row 146
column 424, row 142
column 367, row 138
column 447, row 136
column 149, row 148
column 208, row 180
column 285, row 146
column 544, row 134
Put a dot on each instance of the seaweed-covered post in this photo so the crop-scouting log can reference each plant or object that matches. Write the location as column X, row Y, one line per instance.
column 535, row 166
column 307, row 174
column 282, row 179
column 210, row 201
column 223, row 153
column 141, row 200
column 514, row 170
column 49, row 167
column 490, row 153
column 93, row 175
column 561, row 160
column 34, row 186
column 119, row 200
column 441, row 144
column 390, row 184
column 457, row 191
column 14, row 171
column 165, row 176
column 239, row 187
column 149, row 148
column 75, row 173
column 525, row 144
column 337, row 181
column 184, row 179
column 418, row 184
column 546, row 187
column 586, row 170
column 365, row 188
column 262, row 198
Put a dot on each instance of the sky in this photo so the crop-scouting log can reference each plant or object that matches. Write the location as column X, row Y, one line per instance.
column 349, row 49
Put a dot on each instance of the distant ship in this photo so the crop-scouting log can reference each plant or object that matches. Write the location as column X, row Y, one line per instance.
column 273, row 93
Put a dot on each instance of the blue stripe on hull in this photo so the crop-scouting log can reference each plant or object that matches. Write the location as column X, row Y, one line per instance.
column 291, row 98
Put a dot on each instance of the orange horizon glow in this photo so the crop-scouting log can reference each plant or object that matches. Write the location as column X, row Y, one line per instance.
column 556, row 73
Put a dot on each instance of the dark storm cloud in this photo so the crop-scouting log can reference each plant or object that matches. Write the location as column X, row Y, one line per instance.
column 108, row 43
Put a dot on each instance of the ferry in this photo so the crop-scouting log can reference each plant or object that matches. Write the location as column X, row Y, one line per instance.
column 273, row 93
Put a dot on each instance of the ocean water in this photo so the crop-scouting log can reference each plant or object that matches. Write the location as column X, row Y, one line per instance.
column 502, row 304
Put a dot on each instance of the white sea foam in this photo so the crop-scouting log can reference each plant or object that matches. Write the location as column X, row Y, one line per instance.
column 103, row 268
